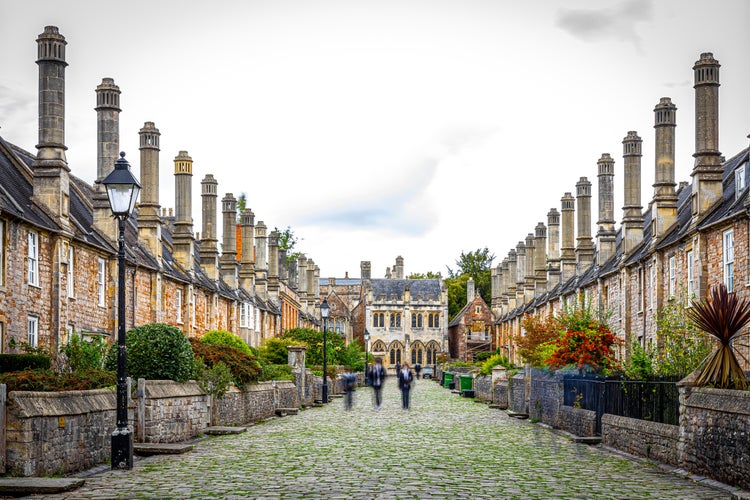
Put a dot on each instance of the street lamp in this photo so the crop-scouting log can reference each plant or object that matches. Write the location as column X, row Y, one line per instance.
column 122, row 191
column 324, row 310
column 367, row 343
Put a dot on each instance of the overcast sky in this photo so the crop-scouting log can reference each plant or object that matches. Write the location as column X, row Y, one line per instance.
column 386, row 127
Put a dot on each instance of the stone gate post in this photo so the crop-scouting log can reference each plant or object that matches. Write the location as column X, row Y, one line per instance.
column 296, row 357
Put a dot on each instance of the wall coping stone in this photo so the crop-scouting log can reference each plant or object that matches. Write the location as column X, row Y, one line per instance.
column 722, row 400
column 62, row 403
column 160, row 389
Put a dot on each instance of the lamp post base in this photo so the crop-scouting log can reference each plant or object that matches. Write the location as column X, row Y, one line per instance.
column 122, row 449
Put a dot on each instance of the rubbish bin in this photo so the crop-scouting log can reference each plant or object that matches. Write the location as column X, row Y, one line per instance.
column 466, row 383
column 447, row 379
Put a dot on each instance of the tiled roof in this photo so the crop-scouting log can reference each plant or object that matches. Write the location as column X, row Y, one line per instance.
column 391, row 288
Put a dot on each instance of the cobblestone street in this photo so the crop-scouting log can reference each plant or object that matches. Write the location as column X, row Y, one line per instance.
column 444, row 447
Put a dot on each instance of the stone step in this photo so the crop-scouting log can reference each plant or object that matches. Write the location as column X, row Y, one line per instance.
column 218, row 430
column 586, row 439
column 496, row 406
column 22, row 486
column 147, row 449
column 520, row 416
column 283, row 412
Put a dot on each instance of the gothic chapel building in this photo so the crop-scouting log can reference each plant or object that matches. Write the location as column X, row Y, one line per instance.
column 58, row 240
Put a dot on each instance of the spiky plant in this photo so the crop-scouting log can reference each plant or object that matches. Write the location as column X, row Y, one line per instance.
column 722, row 315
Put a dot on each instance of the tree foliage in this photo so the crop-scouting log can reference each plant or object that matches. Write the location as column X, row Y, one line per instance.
column 682, row 347
column 476, row 265
column 223, row 337
column 538, row 341
column 288, row 241
column 422, row 276
column 586, row 342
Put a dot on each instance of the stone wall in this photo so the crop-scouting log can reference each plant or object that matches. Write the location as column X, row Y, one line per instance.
column 500, row 394
column 715, row 431
column 50, row 433
column 171, row 411
column 577, row 421
column 642, row 438
column 286, row 394
column 545, row 396
column 483, row 387
column 517, row 393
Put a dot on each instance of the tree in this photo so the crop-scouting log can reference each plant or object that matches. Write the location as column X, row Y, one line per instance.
column 477, row 265
column 586, row 343
column 538, row 341
column 241, row 205
column 287, row 241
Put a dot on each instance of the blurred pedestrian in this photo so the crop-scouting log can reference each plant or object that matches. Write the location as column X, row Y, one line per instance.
column 377, row 379
column 417, row 369
column 405, row 379
column 350, row 381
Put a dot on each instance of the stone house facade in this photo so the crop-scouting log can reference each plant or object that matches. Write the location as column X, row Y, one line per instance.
column 470, row 331
column 691, row 236
column 58, row 241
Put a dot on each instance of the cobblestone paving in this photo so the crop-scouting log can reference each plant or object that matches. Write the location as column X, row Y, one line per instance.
column 444, row 447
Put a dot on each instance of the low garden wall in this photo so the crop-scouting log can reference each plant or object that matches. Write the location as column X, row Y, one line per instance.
column 715, row 434
column 483, row 387
column 517, row 392
column 51, row 433
column 500, row 394
column 577, row 421
column 642, row 438
column 545, row 396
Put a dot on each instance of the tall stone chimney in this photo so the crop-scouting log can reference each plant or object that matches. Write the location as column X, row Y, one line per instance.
column 273, row 267
column 182, row 238
column 504, row 283
column 398, row 269
column 520, row 272
column 540, row 259
column 209, row 250
column 707, row 172
column 511, row 279
column 365, row 270
column 606, row 235
column 261, row 261
column 470, row 290
column 51, row 173
column 149, row 222
column 529, row 281
column 496, row 277
column 553, row 249
column 107, row 152
column 302, row 271
column 632, row 221
column 229, row 246
column 585, row 247
column 311, row 297
column 247, row 260
column 664, row 212
column 567, row 248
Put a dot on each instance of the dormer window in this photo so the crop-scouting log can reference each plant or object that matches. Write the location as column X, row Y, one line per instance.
column 740, row 180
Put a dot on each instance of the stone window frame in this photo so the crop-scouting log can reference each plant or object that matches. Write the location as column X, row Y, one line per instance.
column 727, row 258
column 2, row 260
column 690, row 260
column 71, row 274
column 395, row 320
column 672, row 276
column 32, row 330
column 32, row 256
column 178, row 305
column 100, row 281
column 244, row 323
column 2, row 337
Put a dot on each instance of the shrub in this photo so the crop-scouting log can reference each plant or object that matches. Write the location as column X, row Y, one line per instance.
column 49, row 381
column 155, row 352
column 85, row 355
column 215, row 380
column 682, row 346
column 313, row 339
column 20, row 362
column 493, row 361
column 275, row 372
column 223, row 337
column 244, row 368
column 537, row 344
column 481, row 357
column 275, row 350
column 587, row 343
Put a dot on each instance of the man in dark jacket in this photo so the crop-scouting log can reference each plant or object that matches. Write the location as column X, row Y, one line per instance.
column 376, row 377
column 405, row 379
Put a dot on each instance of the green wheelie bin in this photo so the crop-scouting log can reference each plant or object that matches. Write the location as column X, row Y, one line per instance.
column 448, row 379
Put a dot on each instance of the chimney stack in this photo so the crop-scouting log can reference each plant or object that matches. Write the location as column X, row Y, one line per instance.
column 529, row 281
column 504, row 270
column 470, row 290
column 108, row 149
column 149, row 222
column 632, row 222
column 567, row 248
column 51, row 181
column 707, row 172
column 228, row 260
column 520, row 272
column 606, row 235
column 511, row 279
column 398, row 269
column 585, row 247
column 247, row 260
column 664, row 212
column 540, row 259
column 209, row 251
column 302, row 289
column 261, row 262
column 553, row 249
column 273, row 267
column 182, row 238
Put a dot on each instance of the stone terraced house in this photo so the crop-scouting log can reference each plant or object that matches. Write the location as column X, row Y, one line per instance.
column 58, row 241
column 690, row 237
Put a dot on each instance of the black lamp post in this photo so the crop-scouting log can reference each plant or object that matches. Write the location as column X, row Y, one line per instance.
column 324, row 310
column 367, row 344
column 122, row 191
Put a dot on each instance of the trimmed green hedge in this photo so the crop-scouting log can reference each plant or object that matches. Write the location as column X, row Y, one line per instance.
column 20, row 362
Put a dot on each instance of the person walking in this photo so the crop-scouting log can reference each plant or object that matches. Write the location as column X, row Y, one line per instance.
column 350, row 380
column 405, row 379
column 377, row 378
column 417, row 370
